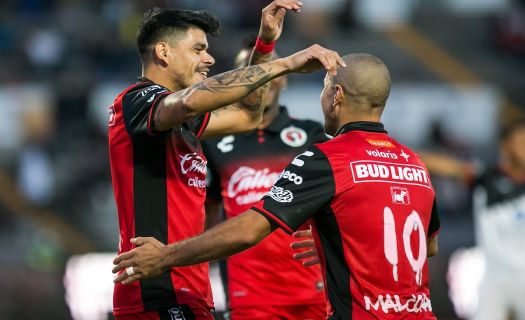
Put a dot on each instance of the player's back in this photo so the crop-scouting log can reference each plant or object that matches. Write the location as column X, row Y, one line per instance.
column 374, row 235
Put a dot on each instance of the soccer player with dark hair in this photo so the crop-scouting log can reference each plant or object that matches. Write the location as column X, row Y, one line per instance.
column 157, row 165
column 370, row 197
column 242, row 168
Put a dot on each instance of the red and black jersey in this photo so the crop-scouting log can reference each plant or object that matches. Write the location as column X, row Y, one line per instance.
column 373, row 206
column 159, row 186
column 243, row 167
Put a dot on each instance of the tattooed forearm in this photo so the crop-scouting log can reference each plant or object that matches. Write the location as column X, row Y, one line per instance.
column 218, row 91
column 249, row 78
column 227, row 108
column 258, row 58
column 254, row 101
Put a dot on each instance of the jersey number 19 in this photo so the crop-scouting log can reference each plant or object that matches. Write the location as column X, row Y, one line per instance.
column 412, row 224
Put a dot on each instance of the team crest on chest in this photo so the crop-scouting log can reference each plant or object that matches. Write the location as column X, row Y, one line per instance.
column 293, row 136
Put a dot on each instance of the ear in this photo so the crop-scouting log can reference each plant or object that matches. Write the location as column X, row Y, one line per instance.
column 339, row 96
column 161, row 52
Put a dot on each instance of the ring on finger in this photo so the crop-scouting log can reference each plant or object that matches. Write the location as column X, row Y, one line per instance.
column 130, row 271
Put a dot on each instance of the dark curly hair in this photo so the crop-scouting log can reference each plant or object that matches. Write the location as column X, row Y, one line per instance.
column 159, row 24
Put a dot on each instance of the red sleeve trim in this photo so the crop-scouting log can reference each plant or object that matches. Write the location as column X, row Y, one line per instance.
column 152, row 111
column 270, row 216
column 204, row 124
column 435, row 233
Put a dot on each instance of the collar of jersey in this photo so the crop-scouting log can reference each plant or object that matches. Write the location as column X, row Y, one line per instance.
column 143, row 79
column 361, row 126
column 146, row 80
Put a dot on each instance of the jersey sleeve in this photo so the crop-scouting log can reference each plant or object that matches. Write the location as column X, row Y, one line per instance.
column 138, row 108
column 199, row 123
column 304, row 187
column 434, row 224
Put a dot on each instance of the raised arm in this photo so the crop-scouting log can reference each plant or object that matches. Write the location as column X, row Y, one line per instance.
column 228, row 87
column 246, row 113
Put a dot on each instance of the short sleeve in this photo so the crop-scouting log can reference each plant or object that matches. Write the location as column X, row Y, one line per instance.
column 199, row 123
column 304, row 187
column 434, row 224
column 138, row 107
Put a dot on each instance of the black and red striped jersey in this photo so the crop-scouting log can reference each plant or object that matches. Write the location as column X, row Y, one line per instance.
column 373, row 208
column 159, row 186
column 242, row 168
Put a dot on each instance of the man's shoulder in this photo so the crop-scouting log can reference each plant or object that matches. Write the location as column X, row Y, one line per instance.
column 137, row 86
column 141, row 89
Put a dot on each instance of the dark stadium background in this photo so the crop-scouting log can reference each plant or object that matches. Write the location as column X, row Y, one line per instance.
column 457, row 68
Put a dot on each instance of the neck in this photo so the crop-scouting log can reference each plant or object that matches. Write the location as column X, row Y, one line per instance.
column 354, row 117
column 158, row 75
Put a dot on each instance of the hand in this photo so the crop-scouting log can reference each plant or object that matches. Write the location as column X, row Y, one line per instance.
column 147, row 260
column 314, row 58
column 308, row 244
column 273, row 16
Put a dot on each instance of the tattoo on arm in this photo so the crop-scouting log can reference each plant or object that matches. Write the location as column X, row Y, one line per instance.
column 249, row 78
column 226, row 108
column 253, row 102
column 258, row 58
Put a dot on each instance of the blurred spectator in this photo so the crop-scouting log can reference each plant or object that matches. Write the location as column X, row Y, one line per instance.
column 509, row 30
column 45, row 47
column 35, row 172
column 499, row 218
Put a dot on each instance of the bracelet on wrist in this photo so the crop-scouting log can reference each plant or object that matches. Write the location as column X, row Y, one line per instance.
column 263, row 47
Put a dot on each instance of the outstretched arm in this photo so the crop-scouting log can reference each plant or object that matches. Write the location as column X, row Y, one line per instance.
column 150, row 258
column 448, row 166
column 228, row 87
